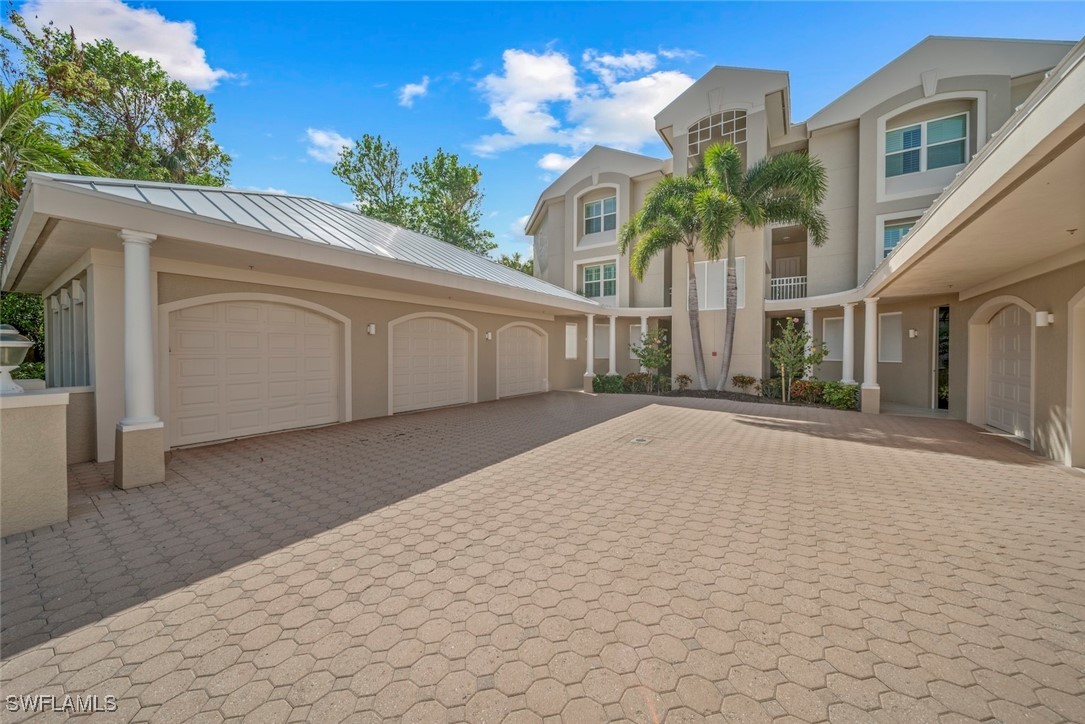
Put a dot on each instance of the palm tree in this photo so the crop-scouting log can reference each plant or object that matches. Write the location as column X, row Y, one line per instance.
column 670, row 217
column 28, row 138
column 784, row 189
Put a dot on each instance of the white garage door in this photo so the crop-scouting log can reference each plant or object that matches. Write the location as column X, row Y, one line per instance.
column 521, row 361
column 1009, row 372
column 429, row 364
column 244, row 368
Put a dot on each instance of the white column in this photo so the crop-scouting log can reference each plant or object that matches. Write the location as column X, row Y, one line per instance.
column 870, row 344
column 589, row 366
column 848, row 355
column 808, row 324
column 613, row 346
column 643, row 331
column 138, row 330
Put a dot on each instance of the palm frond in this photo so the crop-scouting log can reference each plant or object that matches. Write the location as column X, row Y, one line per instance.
column 663, row 235
column 787, row 173
column 794, row 210
column 720, row 213
column 723, row 167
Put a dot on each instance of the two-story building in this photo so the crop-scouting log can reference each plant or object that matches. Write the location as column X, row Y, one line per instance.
column 893, row 147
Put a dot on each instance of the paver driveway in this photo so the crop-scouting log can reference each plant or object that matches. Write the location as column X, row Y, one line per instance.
column 525, row 559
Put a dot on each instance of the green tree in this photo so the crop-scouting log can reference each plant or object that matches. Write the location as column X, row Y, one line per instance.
column 794, row 353
column 448, row 202
column 517, row 262
column 30, row 141
column 373, row 171
column 784, row 189
column 26, row 313
column 654, row 353
column 126, row 114
column 670, row 216
column 442, row 200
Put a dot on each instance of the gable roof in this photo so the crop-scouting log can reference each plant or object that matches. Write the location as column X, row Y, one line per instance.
column 959, row 56
column 310, row 220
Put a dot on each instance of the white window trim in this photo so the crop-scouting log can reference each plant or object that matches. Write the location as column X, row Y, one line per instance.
column 583, row 282
column 585, row 241
column 881, row 359
column 980, row 98
column 741, row 302
column 825, row 336
column 602, row 215
column 924, row 144
column 883, row 220
column 575, row 339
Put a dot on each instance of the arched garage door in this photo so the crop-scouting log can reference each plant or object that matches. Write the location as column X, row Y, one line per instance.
column 247, row 367
column 521, row 361
column 431, row 363
column 1009, row 372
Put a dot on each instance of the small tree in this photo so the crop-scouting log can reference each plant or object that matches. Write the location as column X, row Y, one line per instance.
column 795, row 354
column 653, row 352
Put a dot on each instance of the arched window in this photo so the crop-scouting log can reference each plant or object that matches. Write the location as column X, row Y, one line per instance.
column 724, row 127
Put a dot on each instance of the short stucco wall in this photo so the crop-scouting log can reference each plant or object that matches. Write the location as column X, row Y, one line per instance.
column 33, row 470
column 81, row 425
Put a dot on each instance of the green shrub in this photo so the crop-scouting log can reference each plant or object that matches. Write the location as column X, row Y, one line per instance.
column 637, row 382
column 840, row 395
column 743, row 382
column 682, row 382
column 607, row 383
column 29, row 371
column 769, row 387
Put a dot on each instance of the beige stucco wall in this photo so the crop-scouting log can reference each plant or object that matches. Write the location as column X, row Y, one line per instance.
column 33, row 473
column 82, row 427
column 1050, row 292
column 831, row 267
column 369, row 353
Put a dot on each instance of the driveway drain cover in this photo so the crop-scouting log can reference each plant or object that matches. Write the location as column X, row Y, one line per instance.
column 640, row 441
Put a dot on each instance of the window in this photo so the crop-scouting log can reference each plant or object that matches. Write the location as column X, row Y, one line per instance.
column 729, row 126
column 832, row 334
column 602, row 341
column 570, row 340
column 712, row 283
column 893, row 233
column 634, row 338
column 925, row 146
column 890, row 337
column 601, row 215
column 601, row 280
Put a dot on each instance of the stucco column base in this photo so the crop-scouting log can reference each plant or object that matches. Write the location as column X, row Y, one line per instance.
column 587, row 383
column 140, row 459
column 33, row 447
column 870, row 399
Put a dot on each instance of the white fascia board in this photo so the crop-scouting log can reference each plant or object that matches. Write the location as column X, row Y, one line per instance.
column 85, row 205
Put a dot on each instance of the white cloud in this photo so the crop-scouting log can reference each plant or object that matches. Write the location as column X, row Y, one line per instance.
column 678, row 54
column 140, row 31
column 264, row 190
column 521, row 96
column 540, row 98
column 325, row 145
column 611, row 67
column 519, row 226
column 409, row 92
column 557, row 162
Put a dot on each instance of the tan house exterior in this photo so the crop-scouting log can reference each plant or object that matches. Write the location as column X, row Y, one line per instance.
column 955, row 187
column 180, row 315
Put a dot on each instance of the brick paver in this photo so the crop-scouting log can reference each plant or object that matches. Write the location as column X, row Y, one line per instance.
column 525, row 559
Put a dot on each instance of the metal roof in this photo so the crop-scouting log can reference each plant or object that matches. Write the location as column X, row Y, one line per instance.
column 313, row 220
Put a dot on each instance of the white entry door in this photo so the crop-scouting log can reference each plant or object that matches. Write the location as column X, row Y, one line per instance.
column 1009, row 372
column 430, row 364
column 521, row 361
column 249, row 367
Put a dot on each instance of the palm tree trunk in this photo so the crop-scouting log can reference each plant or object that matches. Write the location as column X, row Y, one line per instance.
column 695, row 322
column 732, row 311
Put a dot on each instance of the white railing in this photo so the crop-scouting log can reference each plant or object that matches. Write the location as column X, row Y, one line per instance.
column 787, row 288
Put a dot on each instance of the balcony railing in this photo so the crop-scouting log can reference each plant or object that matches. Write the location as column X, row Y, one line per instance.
column 787, row 288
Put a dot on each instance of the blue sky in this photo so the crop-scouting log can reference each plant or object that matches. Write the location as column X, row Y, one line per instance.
column 521, row 89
